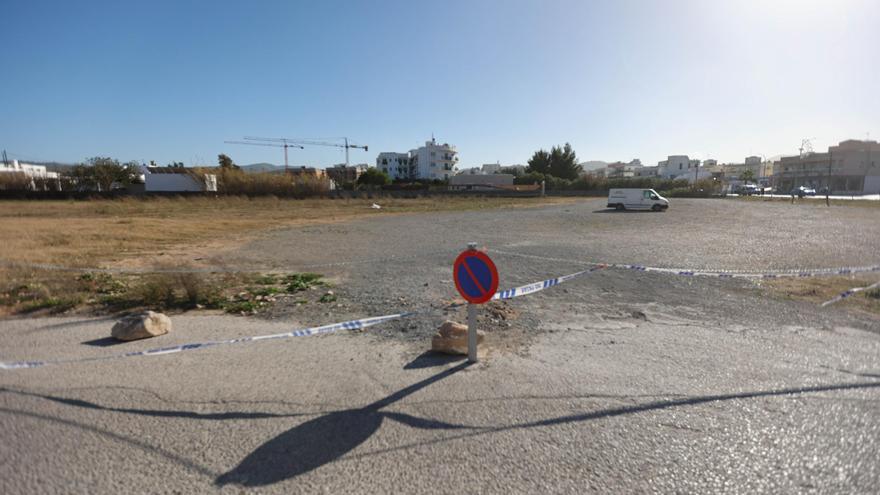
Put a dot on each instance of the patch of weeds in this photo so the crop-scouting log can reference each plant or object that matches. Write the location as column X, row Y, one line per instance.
column 265, row 291
column 53, row 304
column 302, row 281
column 873, row 294
column 266, row 280
column 241, row 306
column 99, row 283
column 329, row 297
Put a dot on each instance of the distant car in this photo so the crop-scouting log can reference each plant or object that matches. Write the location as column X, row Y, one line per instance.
column 824, row 190
column 803, row 191
column 749, row 189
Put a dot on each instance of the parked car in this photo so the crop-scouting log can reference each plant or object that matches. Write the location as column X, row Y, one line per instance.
column 749, row 189
column 803, row 191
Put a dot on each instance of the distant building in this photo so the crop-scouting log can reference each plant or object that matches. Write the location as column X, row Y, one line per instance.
column 342, row 173
column 430, row 162
column 851, row 167
column 307, row 172
column 676, row 166
column 753, row 164
column 177, row 179
column 645, row 172
column 396, row 165
column 480, row 182
column 491, row 168
column 36, row 175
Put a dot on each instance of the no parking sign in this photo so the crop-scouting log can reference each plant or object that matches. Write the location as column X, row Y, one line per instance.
column 476, row 277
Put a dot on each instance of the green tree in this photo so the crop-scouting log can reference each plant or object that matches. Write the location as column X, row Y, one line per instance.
column 104, row 172
column 563, row 163
column 225, row 162
column 747, row 176
column 374, row 177
column 539, row 163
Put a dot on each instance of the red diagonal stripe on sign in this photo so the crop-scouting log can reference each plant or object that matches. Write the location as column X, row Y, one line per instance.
column 473, row 277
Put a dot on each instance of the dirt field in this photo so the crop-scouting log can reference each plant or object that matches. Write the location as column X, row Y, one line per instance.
column 616, row 382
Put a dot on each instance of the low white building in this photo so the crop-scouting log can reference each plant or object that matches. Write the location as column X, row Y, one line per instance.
column 30, row 172
column 432, row 161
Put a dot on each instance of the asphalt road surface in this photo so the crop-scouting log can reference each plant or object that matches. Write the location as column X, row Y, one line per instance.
column 615, row 382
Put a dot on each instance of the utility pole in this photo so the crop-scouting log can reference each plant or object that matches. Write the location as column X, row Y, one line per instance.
column 828, row 186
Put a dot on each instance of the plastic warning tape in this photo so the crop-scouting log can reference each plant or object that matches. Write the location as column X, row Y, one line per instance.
column 525, row 290
column 847, row 293
column 709, row 273
column 334, row 327
column 305, row 332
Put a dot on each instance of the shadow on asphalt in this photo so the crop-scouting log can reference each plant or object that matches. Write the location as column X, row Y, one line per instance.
column 327, row 438
column 430, row 359
column 611, row 210
column 103, row 342
column 161, row 413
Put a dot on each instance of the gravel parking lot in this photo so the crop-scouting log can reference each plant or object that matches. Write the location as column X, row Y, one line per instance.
column 619, row 381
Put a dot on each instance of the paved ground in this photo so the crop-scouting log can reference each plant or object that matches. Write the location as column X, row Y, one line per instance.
column 617, row 382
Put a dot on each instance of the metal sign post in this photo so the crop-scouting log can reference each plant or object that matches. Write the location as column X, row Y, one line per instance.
column 472, row 332
column 472, row 321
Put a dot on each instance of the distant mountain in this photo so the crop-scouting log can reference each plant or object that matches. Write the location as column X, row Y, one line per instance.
column 594, row 164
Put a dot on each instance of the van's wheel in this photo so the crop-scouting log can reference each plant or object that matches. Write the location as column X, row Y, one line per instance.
column 656, row 208
column 619, row 207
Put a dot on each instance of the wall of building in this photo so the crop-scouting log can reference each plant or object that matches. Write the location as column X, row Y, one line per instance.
column 851, row 167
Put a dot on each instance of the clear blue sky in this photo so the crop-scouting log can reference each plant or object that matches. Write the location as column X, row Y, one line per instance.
column 170, row 81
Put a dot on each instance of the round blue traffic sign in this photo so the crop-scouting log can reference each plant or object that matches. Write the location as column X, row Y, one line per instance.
column 475, row 275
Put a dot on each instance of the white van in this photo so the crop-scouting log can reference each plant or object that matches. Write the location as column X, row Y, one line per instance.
column 636, row 199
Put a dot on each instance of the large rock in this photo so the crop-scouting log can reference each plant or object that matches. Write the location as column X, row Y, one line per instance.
column 141, row 326
column 452, row 338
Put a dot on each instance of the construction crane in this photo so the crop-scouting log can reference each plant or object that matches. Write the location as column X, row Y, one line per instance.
column 312, row 142
column 255, row 142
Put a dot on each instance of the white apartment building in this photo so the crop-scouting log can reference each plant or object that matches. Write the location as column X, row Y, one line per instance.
column 432, row 161
column 396, row 165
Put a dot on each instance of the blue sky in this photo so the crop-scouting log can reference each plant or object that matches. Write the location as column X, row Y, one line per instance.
column 170, row 81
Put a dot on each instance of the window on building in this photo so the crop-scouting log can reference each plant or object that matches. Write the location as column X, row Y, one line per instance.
column 679, row 166
column 433, row 164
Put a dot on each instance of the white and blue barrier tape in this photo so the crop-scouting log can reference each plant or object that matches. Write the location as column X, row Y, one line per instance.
column 515, row 292
column 525, row 290
column 334, row 327
column 847, row 293
column 305, row 332
column 806, row 272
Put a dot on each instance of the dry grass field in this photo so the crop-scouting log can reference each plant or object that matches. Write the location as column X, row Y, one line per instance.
column 154, row 232
column 90, row 233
